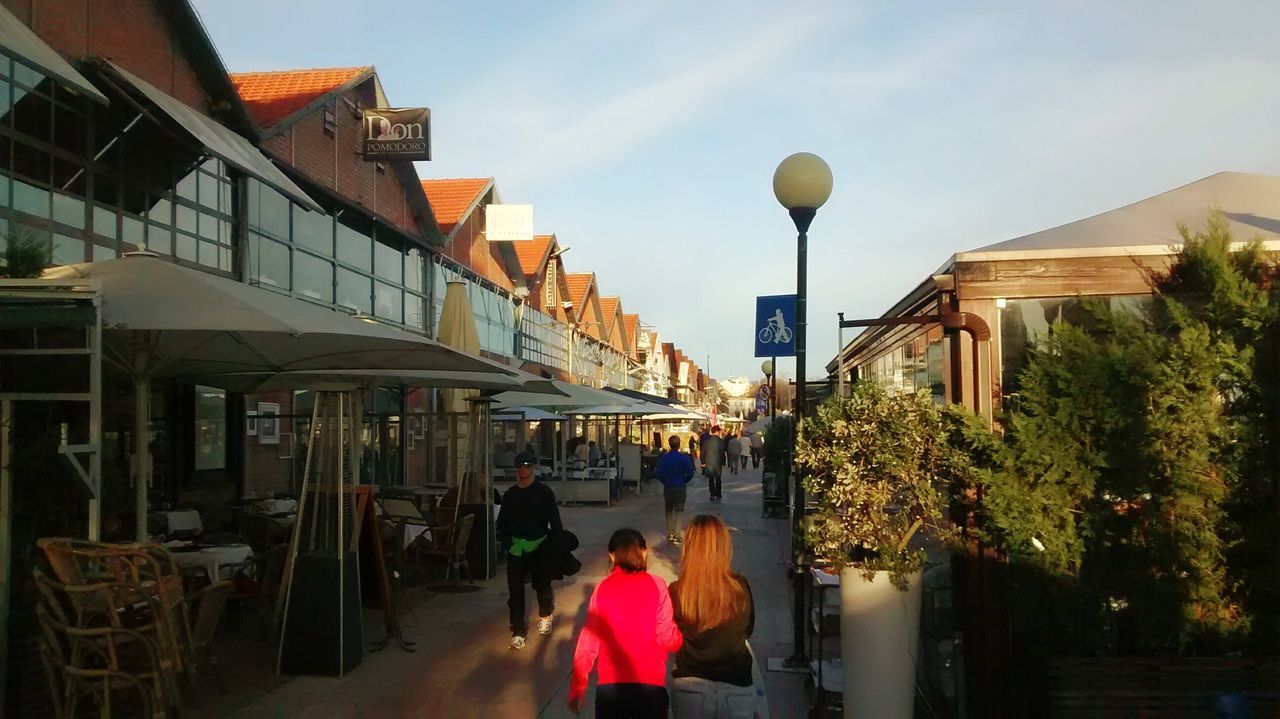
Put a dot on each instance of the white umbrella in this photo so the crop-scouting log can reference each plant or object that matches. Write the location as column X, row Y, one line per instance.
column 575, row 395
column 761, row 424
column 163, row 320
column 638, row 409
column 526, row 414
column 340, row 380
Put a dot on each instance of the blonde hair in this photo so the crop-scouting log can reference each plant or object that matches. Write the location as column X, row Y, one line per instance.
column 709, row 593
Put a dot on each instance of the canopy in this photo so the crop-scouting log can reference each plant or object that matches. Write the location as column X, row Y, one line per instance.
column 527, row 414
column 576, row 395
column 17, row 40
column 639, row 409
column 219, row 139
column 341, row 380
column 761, row 424
column 163, row 320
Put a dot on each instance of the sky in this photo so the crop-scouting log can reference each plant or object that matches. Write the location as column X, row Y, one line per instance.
column 645, row 134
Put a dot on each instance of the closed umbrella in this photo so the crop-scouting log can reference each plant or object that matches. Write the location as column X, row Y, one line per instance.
column 457, row 329
column 162, row 320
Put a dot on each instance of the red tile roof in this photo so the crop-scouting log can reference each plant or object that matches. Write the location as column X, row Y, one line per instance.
column 274, row 96
column 632, row 324
column 533, row 253
column 451, row 198
column 579, row 283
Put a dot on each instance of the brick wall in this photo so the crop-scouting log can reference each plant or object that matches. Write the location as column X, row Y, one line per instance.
column 335, row 162
column 131, row 33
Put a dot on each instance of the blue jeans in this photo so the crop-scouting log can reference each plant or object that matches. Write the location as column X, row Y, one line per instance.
column 697, row 698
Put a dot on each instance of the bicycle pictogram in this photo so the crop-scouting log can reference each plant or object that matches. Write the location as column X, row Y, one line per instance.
column 777, row 331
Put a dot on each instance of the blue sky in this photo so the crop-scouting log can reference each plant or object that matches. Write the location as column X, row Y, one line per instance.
column 646, row 134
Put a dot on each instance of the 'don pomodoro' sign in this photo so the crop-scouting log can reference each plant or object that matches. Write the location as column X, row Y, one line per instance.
column 397, row 133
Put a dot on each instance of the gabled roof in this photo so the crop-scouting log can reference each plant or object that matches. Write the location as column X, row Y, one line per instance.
column 579, row 285
column 275, row 96
column 532, row 254
column 632, row 325
column 609, row 307
column 453, row 199
column 1251, row 204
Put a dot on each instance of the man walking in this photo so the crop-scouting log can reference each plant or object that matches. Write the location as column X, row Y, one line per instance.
column 713, row 454
column 744, row 449
column 529, row 527
column 733, row 450
column 757, row 448
column 675, row 471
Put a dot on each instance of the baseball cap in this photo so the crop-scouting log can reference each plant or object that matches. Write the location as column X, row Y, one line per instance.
column 526, row 459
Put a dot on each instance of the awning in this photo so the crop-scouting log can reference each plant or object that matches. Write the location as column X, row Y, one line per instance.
column 219, row 140
column 18, row 40
column 526, row 414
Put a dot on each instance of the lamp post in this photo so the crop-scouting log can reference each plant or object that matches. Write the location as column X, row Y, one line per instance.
column 802, row 184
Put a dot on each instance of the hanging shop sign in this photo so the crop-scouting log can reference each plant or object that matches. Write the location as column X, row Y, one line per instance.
column 397, row 133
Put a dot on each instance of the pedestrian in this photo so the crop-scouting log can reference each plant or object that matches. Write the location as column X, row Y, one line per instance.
column 733, row 451
column 593, row 454
column 693, row 447
column 628, row 633
column 713, row 607
column 713, row 455
column 757, row 448
column 675, row 471
column 744, row 449
column 582, row 451
column 529, row 527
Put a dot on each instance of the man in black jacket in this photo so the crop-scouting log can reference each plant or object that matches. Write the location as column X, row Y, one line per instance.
column 529, row 527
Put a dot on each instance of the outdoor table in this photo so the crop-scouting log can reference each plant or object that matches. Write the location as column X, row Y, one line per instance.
column 277, row 506
column 212, row 560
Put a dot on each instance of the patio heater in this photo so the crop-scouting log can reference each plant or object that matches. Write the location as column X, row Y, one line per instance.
column 323, row 630
column 802, row 184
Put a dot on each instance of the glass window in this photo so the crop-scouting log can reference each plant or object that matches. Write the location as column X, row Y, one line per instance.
column 209, row 191
column 187, row 186
column 313, row 277
column 160, row 239
column 210, row 429
column 268, row 210
column 313, row 230
column 186, row 248
column 354, row 248
column 67, row 250
column 209, row 254
column 104, row 222
column 354, row 290
column 415, row 311
column 103, row 253
column 30, row 199
column 186, row 219
column 388, row 302
column 272, row 262
column 68, row 210
column 415, row 270
column 131, row 230
column 388, row 263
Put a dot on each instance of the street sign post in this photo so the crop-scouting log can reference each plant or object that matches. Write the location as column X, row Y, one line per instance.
column 775, row 328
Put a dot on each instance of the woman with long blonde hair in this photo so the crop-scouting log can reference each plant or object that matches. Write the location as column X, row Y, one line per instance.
column 714, row 610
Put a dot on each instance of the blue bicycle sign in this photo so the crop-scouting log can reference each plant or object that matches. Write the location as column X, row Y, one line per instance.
column 775, row 326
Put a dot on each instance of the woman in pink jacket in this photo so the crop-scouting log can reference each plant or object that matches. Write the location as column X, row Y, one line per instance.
column 627, row 637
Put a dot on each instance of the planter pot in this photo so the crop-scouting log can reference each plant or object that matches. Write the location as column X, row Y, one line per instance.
column 879, row 642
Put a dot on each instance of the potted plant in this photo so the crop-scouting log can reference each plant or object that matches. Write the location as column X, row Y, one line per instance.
column 874, row 463
column 24, row 256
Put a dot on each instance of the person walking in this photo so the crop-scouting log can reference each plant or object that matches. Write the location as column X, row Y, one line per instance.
column 733, row 450
column 713, row 607
column 744, row 449
column 529, row 527
column 628, row 634
column 757, row 448
column 713, row 454
column 675, row 471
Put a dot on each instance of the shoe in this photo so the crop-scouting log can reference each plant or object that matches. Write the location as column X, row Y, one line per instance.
column 544, row 625
column 671, row 538
column 517, row 642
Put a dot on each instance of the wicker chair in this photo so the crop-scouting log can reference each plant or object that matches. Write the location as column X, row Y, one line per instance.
column 452, row 547
column 100, row 664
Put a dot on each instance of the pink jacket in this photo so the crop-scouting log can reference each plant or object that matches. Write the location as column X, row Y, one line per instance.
column 630, row 631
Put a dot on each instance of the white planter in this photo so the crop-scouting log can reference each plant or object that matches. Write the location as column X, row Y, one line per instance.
column 879, row 642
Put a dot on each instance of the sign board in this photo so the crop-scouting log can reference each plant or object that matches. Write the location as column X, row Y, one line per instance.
column 508, row 222
column 775, row 328
column 397, row 133
column 762, row 400
column 549, row 288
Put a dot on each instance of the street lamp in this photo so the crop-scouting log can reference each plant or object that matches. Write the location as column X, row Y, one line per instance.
column 802, row 184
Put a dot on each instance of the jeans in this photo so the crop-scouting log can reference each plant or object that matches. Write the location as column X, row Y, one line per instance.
column 744, row 461
column 714, row 481
column 673, row 502
column 518, row 570
column 631, row 701
column 733, row 464
column 697, row 698
column 755, row 457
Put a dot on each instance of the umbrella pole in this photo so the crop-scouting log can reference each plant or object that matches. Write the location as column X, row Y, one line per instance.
column 141, row 452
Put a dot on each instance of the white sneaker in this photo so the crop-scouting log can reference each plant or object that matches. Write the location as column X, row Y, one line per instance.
column 517, row 642
column 544, row 625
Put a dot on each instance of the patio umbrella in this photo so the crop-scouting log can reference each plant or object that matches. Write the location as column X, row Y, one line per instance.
column 457, row 329
column 526, row 414
column 161, row 320
column 761, row 424
column 340, row 379
column 575, row 395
